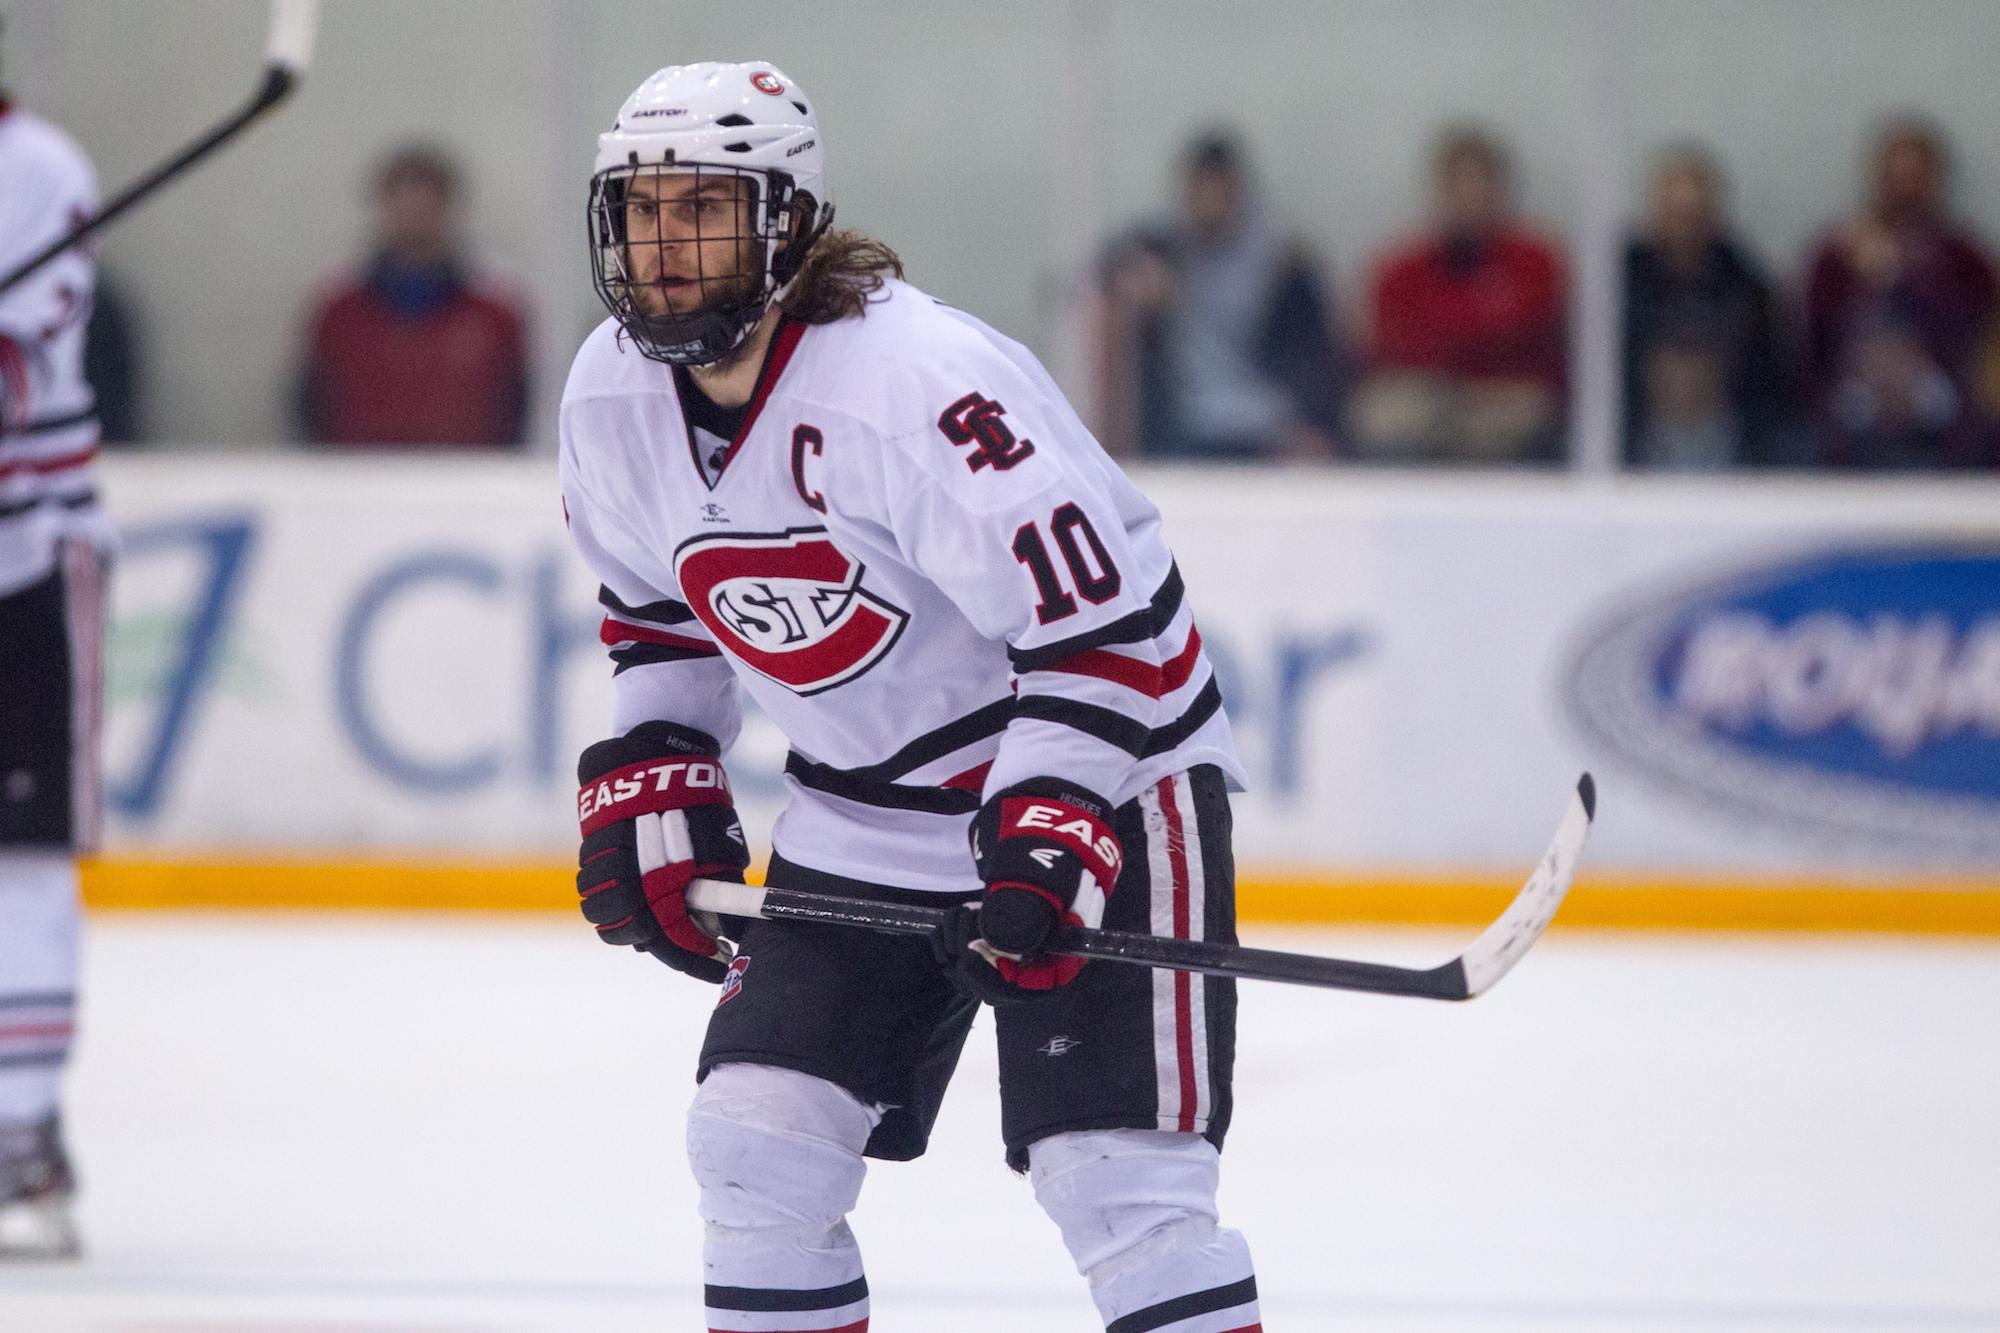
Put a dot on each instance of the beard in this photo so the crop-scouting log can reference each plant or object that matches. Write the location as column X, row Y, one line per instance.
column 684, row 300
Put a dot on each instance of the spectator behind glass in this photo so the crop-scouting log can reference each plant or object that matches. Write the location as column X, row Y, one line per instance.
column 1466, row 326
column 1899, row 303
column 1215, row 340
column 1704, row 359
column 412, row 352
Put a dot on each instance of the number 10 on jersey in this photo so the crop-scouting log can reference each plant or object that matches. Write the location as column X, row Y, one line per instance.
column 1091, row 573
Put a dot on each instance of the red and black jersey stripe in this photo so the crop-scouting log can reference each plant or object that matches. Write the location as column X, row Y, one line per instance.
column 1106, row 724
column 664, row 612
column 636, row 637
column 47, row 425
column 1137, row 627
column 935, row 744
column 627, row 656
column 876, row 784
column 1151, row 681
column 80, row 500
column 1205, row 706
column 49, row 466
column 1115, row 728
column 849, row 784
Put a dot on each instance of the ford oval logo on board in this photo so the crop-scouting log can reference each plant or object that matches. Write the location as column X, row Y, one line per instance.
column 1855, row 690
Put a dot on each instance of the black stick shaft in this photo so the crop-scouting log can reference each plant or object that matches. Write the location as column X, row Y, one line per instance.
column 277, row 82
column 1474, row 971
column 1213, row 958
column 1219, row 959
column 825, row 910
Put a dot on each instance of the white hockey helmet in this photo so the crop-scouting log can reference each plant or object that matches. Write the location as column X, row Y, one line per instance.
column 744, row 121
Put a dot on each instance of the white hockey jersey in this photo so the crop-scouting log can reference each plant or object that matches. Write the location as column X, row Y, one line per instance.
column 917, row 561
column 48, row 433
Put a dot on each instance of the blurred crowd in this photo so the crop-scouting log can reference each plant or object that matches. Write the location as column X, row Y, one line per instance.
column 416, row 348
column 413, row 347
column 1217, row 336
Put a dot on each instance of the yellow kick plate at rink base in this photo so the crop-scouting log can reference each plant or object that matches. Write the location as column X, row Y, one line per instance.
column 1931, row 906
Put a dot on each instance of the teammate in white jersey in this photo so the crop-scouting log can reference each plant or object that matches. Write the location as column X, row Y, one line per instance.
column 52, row 539
column 796, row 475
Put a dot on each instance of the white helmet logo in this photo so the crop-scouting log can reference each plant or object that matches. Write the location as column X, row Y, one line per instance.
column 764, row 81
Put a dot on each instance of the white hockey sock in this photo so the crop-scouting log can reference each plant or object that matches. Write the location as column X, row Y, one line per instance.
column 38, row 967
column 1137, row 1211
column 777, row 1155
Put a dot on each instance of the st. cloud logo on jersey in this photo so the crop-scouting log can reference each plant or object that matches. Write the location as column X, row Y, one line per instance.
column 789, row 606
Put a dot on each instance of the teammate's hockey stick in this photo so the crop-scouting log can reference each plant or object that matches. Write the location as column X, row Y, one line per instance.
column 293, row 26
column 1473, row 972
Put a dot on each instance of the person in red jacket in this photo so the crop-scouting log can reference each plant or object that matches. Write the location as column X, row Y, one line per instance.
column 1466, row 326
column 1899, row 301
column 412, row 351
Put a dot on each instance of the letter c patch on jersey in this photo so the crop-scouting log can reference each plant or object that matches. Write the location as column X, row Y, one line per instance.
column 790, row 606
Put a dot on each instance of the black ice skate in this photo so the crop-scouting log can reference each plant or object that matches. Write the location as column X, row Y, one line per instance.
column 36, row 1187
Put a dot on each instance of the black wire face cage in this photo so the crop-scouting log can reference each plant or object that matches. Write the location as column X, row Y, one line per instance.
column 688, row 258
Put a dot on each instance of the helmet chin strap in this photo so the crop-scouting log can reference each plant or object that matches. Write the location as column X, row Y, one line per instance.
column 699, row 339
column 805, row 242
column 731, row 378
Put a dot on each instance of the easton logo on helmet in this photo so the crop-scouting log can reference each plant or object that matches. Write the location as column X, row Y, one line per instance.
column 790, row 606
column 764, row 81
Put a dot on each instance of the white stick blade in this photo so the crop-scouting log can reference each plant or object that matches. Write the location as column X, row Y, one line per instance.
column 294, row 25
column 1502, row 943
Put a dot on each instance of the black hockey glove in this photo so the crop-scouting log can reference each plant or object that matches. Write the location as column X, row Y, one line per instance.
column 1049, row 857
column 655, row 812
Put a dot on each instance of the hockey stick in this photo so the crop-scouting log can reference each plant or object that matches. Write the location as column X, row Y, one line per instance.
column 1473, row 972
column 293, row 26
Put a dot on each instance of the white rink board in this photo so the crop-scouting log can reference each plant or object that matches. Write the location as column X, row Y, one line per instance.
column 400, row 655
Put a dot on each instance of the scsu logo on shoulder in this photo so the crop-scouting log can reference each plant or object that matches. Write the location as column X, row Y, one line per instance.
column 790, row 606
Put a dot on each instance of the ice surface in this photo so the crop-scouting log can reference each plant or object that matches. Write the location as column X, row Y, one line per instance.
column 318, row 1123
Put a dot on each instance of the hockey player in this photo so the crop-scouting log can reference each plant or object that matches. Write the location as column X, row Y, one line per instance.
column 795, row 474
column 52, row 539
